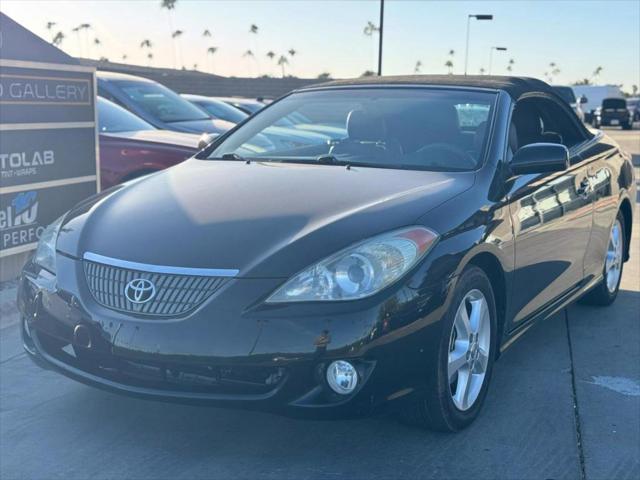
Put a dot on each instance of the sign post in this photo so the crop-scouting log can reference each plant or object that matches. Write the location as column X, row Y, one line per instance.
column 48, row 139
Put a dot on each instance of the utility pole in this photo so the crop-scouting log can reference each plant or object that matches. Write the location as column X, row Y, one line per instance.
column 380, row 39
column 466, row 52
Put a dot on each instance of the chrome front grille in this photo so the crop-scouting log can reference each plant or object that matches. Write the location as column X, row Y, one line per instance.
column 175, row 294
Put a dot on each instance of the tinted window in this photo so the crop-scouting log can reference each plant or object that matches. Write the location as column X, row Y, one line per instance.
column 222, row 111
column 566, row 93
column 113, row 118
column 160, row 102
column 614, row 103
column 433, row 129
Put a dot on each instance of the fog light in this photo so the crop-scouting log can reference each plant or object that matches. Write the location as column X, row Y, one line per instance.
column 342, row 377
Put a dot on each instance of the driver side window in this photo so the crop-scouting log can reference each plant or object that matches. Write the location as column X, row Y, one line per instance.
column 540, row 120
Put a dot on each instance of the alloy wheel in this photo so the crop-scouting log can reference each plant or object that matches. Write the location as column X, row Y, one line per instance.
column 613, row 260
column 469, row 349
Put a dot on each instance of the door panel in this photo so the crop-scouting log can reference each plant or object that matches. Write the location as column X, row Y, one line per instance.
column 603, row 161
column 552, row 219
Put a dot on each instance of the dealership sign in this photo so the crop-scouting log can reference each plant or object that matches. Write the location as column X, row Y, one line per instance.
column 48, row 137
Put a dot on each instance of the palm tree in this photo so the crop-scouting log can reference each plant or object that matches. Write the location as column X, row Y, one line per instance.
column 149, row 58
column 211, row 51
column 146, row 44
column 169, row 6
column 76, row 30
column 253, row 31
column 58, row 38
column 176, row 35
column 49, row 26
column 417, row 67
column 124, row 57
column 250, row 56
column 282, row 61
column 292, row 53
column 510, row 65
column 449, row 65
column 596, row 74
column 206, row 33
column 482, row 70
column 554, row 71
column 368, row 73
column 97, row 43
column 324, row 76
column 85, row 27
column 271, row 54
column 369, row 29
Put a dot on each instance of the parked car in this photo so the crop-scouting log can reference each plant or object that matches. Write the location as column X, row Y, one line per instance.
column 633, row 104
column 283, row 134
column 131, row 147
column 592, row 95
column 567, row 94
column 613, row 112
column 388, row 269
column 247, row 105
column 216, row 108
column 156, row 104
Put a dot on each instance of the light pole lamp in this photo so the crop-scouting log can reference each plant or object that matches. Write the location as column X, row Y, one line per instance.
column 469, row 17
column 499, row 49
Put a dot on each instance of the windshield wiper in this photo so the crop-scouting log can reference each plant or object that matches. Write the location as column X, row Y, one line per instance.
column 329, row 160
column 231, row 156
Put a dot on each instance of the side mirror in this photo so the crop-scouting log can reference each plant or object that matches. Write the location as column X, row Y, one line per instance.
column 540, row 158
column 205, row 139
column 583, row 100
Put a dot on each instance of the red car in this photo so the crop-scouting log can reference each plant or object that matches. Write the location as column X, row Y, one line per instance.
column 131, row 147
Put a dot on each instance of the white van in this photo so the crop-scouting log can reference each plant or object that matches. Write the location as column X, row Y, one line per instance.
column 594, row 95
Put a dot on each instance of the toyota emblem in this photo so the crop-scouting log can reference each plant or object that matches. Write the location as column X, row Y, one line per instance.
column 139, row 290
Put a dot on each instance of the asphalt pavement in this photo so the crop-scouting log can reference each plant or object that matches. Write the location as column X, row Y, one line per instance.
column 564, row 403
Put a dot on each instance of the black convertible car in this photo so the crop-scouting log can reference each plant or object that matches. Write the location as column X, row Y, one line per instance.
column 390, row 267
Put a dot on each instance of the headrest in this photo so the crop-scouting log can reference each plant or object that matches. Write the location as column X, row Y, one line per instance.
column 551, row 137
column 366, row 126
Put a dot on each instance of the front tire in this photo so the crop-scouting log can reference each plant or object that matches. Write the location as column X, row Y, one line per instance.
column 457, row 387
column 606, row 291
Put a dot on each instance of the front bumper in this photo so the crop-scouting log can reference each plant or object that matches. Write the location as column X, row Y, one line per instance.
column 273, row 360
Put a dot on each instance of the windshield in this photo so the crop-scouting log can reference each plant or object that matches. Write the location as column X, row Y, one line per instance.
column 112, row 119
column 566, row 93
column 160, row 102
column 410, row 128
column 614, row 103
column 222, row 110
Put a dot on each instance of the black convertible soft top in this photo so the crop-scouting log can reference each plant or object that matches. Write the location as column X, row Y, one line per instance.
column 514, row 86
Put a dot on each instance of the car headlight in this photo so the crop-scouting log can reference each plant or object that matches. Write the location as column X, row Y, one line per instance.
column 46, row 251
column 360, row 270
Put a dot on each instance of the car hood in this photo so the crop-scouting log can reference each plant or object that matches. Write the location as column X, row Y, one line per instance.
column 202, row 126
column 167, row 137
column 266, row 220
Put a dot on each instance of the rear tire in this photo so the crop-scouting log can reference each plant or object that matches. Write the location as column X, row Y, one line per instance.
column 606, row 291
column 466, row 354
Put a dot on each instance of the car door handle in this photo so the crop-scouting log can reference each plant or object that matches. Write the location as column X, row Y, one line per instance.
column 585, row 189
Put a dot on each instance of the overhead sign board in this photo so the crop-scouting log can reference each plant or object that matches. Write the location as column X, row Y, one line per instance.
column 48, row 136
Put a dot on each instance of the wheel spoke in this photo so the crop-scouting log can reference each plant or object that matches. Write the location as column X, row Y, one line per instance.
column 611, row 260
column 457, row 358
column 478, row 308
column 462, row 321
column 483, row 361
column 461, row 396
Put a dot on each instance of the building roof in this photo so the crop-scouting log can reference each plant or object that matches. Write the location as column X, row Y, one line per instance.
column 515, row 86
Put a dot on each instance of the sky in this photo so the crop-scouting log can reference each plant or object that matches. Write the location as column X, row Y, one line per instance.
column 577, row 36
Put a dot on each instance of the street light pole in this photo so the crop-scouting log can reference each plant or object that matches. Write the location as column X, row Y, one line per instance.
column 469, row 17
column 380, row 39
column 499, row 49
